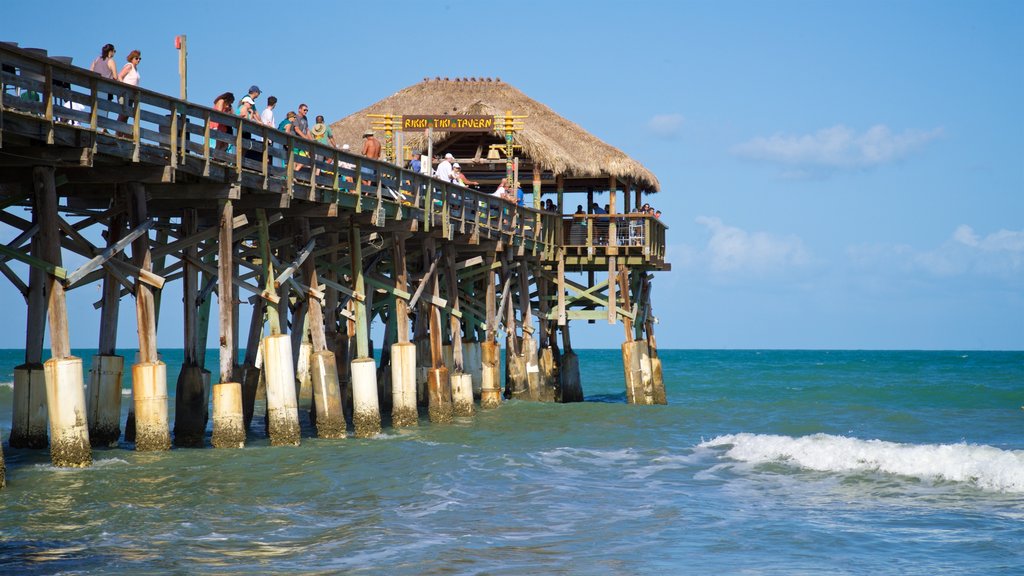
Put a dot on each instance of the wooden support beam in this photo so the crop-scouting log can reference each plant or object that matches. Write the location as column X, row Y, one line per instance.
column 226, row 290
column 268, row 294
column 295, row 264
column 490, row 312
column 190, row 290
column 49, row 243
column 358, row 285
column 453, row 295
column 314, row 313
column 426, row 277
column 107, row 253
column 434, row 331
column 401, row 275
column 145, row 307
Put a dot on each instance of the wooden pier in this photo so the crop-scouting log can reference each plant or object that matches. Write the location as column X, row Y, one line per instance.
column 312, row 244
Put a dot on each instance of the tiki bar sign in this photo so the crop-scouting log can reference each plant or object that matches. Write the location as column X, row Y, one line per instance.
column 449, row 123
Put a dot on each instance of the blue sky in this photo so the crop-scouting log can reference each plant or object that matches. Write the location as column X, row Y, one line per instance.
column 835, row 174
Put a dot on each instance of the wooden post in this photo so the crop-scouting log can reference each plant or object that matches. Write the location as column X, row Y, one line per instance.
column 149, row 374
column 460, row 381
column 366, row 406
column 323, row 367
column 438, row 380
column 403, row 352
column 228, row 402
column 28, row 422
column 189, row 398
column 65, row 391
column 279, row 371
column 611, row 250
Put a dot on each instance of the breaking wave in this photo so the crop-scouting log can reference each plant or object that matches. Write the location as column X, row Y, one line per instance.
column 986, row 467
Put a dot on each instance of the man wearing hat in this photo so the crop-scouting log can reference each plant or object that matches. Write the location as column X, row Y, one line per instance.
column 371, row 146
column 247, row 106
column 444, row 169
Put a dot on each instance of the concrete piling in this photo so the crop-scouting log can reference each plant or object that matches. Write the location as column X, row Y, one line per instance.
column 365, row 408
column 330, row 418
column 490, row 386
column 65, row 393
column 149, row 391
column 190, row 407
column 28, row 425
column 462, row 394
column 104, row 399
column 282, row 407
column 228, row 417
column 439, row 389
column 548, row 364
column 472, row 364
column 403, row 385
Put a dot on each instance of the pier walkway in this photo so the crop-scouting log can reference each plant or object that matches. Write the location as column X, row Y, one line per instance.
column 309, row 241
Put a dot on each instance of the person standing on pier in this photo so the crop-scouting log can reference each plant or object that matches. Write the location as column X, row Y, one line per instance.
column 130, row 76
column 444, row 169
column 371, row 146
column 267, row 116
column 104, row 65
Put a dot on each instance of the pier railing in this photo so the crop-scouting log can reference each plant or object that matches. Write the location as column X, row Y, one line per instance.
column 592, row 234
column 63, row 105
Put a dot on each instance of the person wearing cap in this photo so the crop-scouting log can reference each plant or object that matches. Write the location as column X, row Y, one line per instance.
column 371, row 146
column 444, row 169
column 247, row 105
column 459, row 178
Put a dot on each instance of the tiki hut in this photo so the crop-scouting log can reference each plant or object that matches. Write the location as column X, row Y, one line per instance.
column 547, row 147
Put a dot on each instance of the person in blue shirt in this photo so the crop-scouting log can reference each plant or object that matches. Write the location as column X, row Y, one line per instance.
column 520, row 197
column 415, row 163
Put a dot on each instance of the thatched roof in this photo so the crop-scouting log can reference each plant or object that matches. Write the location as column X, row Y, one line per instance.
column 555, row 144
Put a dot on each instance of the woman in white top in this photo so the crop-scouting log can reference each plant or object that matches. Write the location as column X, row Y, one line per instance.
column 129, row 75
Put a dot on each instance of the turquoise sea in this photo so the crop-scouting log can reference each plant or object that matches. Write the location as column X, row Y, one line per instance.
column 764, row 462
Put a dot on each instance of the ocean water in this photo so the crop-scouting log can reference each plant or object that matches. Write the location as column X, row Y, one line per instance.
column 764, row 462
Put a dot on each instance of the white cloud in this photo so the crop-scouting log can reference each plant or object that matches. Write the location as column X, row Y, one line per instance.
column 998, row 254
column 734, row 250
column 837, row 147
column 666, row 126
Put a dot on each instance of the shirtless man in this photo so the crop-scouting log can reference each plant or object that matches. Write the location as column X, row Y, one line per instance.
column 371, row 146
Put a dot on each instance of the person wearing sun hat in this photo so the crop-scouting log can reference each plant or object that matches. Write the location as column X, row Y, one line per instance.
column 371, row 146
column 322, row 132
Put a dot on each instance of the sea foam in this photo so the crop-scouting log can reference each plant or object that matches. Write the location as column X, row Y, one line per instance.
column 986, row 467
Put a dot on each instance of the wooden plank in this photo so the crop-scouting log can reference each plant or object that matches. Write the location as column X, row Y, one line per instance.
column 51, row 269
column 108, row 253
column 295, row 264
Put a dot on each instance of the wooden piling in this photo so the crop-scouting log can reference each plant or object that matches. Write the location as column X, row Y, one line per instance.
column 65, row 390
column 189, row 395
column 439, row 391
column 403, row 352
column 28, row 422
column 323, row 368
column 282, row 409
column 490, row 385
column 365, row 406
column 228, row 404
column 104, row 390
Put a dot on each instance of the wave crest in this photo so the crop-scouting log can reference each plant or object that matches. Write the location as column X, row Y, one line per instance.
column 986, row 467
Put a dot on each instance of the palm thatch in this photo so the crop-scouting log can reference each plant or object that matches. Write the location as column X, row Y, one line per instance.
column 550, row 141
